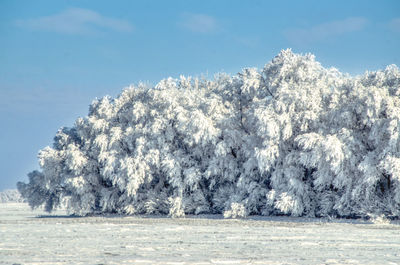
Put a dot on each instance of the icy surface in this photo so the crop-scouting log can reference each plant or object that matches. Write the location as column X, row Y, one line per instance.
column 27, row 237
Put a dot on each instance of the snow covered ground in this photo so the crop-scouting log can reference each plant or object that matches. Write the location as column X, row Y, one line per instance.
column 34, row 237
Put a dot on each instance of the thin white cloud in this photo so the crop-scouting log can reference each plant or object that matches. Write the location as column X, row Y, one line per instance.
column 76, row 21
column 199, row 23
column 394, row 25
column 326, row 30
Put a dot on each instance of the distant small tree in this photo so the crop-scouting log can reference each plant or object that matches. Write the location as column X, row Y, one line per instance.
column 11, row 196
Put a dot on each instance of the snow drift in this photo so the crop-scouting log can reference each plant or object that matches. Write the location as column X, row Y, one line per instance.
column 294, row 138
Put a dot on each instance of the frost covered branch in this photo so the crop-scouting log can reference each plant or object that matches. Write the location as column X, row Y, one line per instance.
column 294, row 138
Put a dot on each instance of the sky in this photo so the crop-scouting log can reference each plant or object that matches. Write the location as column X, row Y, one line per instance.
column 57, row 56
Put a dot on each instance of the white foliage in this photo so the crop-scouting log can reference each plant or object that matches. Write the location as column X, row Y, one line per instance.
column 293, row 138
column 237, row 210
column 7, row 196
column 176, row 207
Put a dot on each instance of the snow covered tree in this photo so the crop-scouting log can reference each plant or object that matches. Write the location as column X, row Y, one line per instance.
column 10, row 196
column 294, row 138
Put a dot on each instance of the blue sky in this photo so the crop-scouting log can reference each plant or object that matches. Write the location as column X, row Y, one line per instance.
column 57, row 56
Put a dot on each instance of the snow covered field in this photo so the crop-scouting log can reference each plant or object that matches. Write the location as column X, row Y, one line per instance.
column 26, row 237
